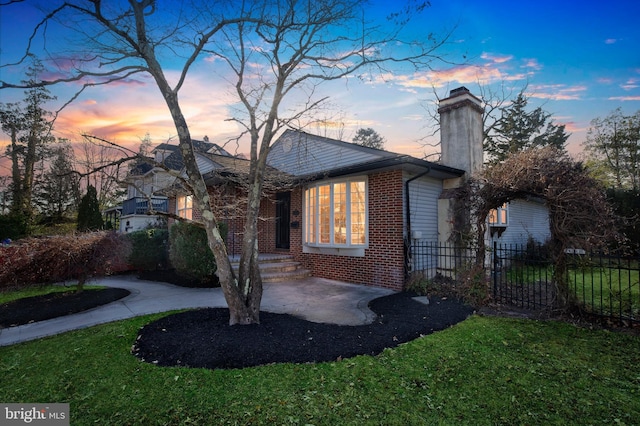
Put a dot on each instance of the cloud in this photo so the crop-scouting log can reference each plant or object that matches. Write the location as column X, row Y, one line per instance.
column 631, row 84
column 532, row 64
column 495, row 58
column 441, row 78
column 610, row 41
column 624, row 98
column 556, row 92
column 605, row 80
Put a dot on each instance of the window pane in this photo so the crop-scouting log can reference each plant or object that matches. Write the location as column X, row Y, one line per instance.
column 358, row 213
column 311, row 215
column 324, row 219
column 493, row 216
column 340, row 213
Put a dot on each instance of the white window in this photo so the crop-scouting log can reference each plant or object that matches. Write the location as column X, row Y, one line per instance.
column 185, row 206
column 499, row 216
column 335, row 214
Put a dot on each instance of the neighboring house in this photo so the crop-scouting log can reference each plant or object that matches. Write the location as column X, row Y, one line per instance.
column 518, row 221
column 348, row 212
column 147, row 181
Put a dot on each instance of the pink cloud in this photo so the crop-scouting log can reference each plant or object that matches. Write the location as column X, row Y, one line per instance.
column 557, row 92
column 532, row 63
column 495, row 58
column 624, row 98
column 631, row 84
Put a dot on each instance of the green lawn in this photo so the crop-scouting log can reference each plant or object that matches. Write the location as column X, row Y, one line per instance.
column 482, row 371
column 41, row 290
column 607, row 290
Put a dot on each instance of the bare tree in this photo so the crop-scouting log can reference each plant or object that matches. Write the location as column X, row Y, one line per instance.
column 98, row 163
column 494, row 97
column 273, row 49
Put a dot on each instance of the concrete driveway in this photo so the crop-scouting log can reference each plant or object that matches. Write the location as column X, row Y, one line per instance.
column 314, row 299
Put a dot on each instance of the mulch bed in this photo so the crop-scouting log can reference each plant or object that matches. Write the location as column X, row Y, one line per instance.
column 203, row 338
column 48, row 306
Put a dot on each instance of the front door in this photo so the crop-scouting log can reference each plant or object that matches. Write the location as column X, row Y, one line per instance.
column 283, row 204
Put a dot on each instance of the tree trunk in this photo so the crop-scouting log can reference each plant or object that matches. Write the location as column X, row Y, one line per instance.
column 16, row 178
column 242, row 294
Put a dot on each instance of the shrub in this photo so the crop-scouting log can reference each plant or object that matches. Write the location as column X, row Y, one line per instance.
column 189, row 251
column 149, row 249
column 46, row 260
column 13, row 227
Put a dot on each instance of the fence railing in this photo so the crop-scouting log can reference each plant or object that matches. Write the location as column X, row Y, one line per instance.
column 523, row 276
column 140, row 205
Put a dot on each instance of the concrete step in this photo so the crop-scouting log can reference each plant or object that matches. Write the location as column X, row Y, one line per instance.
column 273, row 277
column 277, row 268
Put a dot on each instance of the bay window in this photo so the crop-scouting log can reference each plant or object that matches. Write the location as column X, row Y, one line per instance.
column 335, row 214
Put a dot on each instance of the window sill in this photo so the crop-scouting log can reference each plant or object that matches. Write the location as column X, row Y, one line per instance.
column 334, row 251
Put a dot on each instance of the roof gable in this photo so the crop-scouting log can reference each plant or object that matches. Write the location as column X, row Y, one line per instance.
column 300, row 153
column 171, row 157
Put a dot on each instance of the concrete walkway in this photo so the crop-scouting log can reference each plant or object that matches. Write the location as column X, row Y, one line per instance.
column 314, row 299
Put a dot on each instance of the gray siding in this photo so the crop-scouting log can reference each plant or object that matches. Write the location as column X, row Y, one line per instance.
column 526, row 219
column 301, row 154
column 423, row 202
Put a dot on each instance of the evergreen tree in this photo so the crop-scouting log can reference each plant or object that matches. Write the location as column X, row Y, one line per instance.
column 517, row 130
column 58, row 192
column 89, row 216
column 370, row 138
column 28, row 126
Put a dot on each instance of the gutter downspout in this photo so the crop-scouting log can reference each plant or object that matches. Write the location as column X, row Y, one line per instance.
column 407, row 240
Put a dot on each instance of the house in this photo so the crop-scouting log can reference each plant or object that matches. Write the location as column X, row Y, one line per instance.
column 147, row 180
column 349, row 212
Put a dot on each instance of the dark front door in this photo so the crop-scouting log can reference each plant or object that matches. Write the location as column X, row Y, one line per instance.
column 283, row 205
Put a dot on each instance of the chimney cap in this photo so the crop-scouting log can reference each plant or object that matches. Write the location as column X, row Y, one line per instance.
column 459, row 91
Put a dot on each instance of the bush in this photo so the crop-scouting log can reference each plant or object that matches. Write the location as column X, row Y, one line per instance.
column 189, row 251
column 149, row 249
column 13, row 227
column 46, row 260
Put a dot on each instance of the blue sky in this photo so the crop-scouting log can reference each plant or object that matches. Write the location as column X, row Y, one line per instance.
column 578, row 60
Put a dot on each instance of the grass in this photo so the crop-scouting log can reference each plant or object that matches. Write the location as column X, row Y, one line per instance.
column 39, row 291
column 482, row 371
column 604, row 289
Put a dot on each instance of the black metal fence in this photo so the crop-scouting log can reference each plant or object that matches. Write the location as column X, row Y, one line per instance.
column 523, row 276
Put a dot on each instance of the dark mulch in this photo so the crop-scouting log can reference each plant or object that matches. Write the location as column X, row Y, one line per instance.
column 48, row 306
column 203, row 338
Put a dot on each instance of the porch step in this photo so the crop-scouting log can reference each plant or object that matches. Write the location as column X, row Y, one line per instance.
column 276, row 268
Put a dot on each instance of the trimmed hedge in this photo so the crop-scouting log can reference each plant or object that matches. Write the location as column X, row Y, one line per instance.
column 150, row 249
column 189, row 251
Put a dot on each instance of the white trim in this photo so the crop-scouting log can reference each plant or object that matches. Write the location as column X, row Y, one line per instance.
column 348, row 248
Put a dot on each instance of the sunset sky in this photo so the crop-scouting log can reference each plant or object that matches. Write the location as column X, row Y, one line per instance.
column 578, row 59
